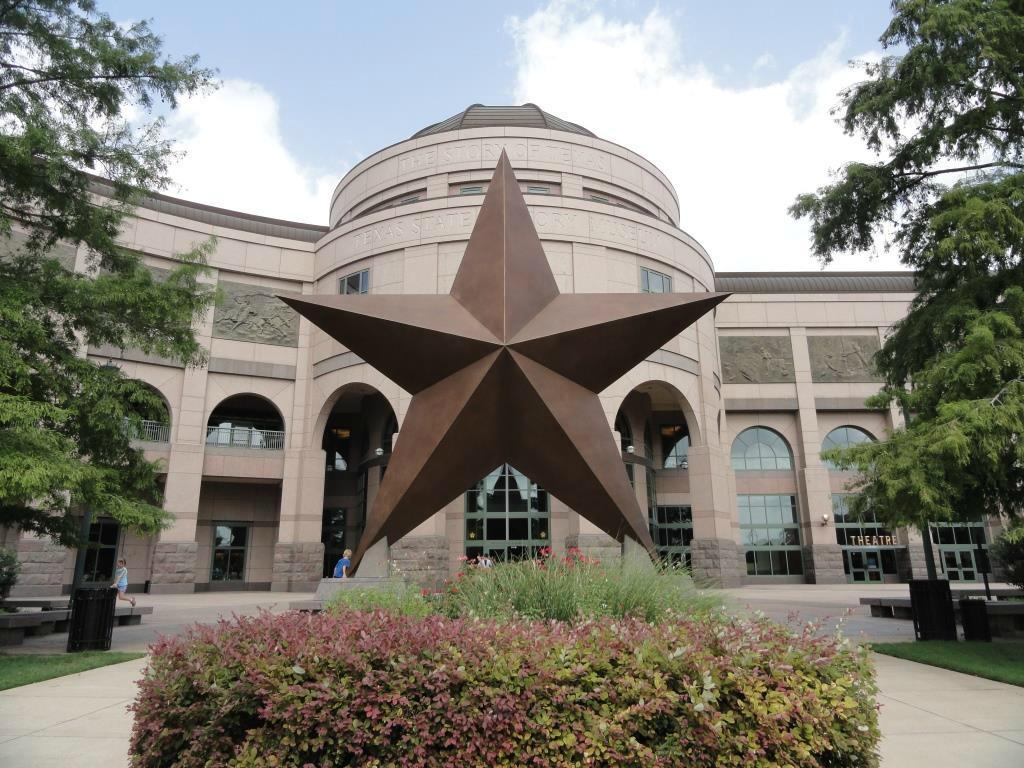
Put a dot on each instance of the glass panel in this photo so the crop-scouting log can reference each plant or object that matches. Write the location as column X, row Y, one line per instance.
column 236, row 564
column 539, row 527
column 104, row 568
column 108, row 534
column 779, row 563
column 474, row 529
column 750, row 564
column 796, row 562
column 946, row 535
column 763, row 562
column 962, row 535
column 495, row 528
column 239, row 533
column 518, row 529
column 221, row 536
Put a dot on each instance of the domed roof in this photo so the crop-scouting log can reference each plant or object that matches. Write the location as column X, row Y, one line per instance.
column 523, row 116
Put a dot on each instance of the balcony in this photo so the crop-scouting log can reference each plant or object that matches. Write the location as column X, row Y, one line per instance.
column 152, row 432
column 250, row 438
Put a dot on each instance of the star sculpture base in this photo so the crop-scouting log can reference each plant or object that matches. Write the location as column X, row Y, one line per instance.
column 504, row 369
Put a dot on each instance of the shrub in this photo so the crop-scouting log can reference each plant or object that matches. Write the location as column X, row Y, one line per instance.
column 10, row 567
column 574, row 588
column 393, row 597
column 1008, row 549
column 379, row 689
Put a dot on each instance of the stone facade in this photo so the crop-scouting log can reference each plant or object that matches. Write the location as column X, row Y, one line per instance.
column 597, row 545
column 823, row 564
column 174, row 567
column 297, row 566
column 42, row 568
column 420, row 560
column 715, row 562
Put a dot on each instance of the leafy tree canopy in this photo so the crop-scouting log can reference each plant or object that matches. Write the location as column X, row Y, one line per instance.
column 69, row 79
column 945, row 118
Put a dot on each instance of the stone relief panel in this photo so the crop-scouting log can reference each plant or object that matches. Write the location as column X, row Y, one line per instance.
column 756, row 359
column 252, row 313
column 843, row 358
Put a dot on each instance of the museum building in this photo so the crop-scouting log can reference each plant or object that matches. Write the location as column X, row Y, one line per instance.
column 274, row 450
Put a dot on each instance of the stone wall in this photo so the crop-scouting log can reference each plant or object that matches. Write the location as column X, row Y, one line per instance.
column 174, row 567
column 42, row 568
column 420, row 560
column 298, row 566
column 715, row 562
column 823, row 564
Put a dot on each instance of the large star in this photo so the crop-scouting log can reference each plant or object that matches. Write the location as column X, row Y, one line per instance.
column 504, row 369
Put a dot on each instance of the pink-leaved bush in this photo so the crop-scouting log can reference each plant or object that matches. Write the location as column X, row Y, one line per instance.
column 380, row 689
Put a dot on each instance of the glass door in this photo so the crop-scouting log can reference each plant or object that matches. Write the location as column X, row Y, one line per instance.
column 865, row 565
column 959, row 565
column 229, row 545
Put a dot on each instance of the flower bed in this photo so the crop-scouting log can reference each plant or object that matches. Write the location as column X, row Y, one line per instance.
column 382, row 689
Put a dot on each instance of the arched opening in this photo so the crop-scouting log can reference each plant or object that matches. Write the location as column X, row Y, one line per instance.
column 246, row 421
column 508, row 517
column 151, row 417
column 357, row 442
column 658, row 468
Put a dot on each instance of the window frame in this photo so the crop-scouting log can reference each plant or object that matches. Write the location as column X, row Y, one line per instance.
column 364, row 284
column 790, row 551
column 761, row 468
column 645, row 280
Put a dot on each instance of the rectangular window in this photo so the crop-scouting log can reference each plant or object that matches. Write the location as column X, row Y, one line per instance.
column 599, row 199
column 410, row 199
column 537, row 190
column 770, row 534
column 101, row 554
column 472, row 189
column 654, row 282
column 357, row 282
column 672, row 531
column 230, row 541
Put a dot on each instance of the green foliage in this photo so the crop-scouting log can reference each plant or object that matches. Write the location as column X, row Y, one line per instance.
column 10, row 567
column 574, row 589
column 1008, row 551
column 394, row 597
column 946, row 119
column 67, row 77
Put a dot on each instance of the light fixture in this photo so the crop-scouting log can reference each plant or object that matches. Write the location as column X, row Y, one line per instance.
column 824, row 519
column 630, row 449
column 379, row 452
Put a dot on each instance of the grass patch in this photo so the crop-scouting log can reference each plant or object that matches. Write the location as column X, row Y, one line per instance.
column 22, row 669
column 994, row 661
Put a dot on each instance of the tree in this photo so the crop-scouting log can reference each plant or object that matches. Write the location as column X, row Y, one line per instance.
column 944, row 115
column 68, row 76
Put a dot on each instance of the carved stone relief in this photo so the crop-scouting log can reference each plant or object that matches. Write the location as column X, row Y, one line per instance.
column 251, row 313
column 842, row 358
column 756, row 359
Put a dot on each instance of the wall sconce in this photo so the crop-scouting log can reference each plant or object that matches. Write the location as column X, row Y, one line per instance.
column 630, row 450
column 379, row 452
column 824, row 519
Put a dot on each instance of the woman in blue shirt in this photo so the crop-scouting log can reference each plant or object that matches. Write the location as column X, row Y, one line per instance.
column 121, row 581
column 341, row 569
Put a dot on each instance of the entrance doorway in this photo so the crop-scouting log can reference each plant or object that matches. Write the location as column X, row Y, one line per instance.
column 507, row 517
column 864, row 564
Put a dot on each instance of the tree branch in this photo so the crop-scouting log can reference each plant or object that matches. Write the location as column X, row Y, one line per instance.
column 918, row 175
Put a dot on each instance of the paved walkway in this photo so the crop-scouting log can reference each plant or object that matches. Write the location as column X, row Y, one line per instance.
column 930, row 717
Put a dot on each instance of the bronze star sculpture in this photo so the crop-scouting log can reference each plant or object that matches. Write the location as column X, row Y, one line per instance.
column 504, row 369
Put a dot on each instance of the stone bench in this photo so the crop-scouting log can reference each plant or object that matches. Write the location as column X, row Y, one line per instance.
column 1005, row 617
column 14, row 627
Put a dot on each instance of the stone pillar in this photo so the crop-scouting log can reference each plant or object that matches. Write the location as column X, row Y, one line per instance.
column 714, row 557
column 419, row 560
column 43, row 563
column 593, row 542
column 915, row 565
column 823, row 557
column 299, row 551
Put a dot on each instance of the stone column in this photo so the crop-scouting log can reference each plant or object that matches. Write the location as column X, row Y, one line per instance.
column 823, row 557
column 299, row 551
column 714, row 556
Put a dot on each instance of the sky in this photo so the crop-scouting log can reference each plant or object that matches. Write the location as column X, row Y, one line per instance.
column 732, row 99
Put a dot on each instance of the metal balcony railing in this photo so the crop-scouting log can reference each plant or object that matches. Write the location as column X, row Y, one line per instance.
column 151, row 432
column 246, row 437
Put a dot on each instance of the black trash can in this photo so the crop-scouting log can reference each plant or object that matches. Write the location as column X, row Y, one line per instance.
column 974, row 617
column 92, row 619
column 932, row 605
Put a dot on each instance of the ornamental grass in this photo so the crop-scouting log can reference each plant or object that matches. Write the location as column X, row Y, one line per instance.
column 379, row 688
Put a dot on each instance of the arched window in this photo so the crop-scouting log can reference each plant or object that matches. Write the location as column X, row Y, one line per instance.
column 759, row 448
column 625, row 433
column 843, row 437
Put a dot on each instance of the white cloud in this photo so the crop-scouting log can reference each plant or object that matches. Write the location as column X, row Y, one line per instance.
column 235, row 157
column 737, row 156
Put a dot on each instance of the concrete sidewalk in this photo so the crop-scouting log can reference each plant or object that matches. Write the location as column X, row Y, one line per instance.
column 930, row 718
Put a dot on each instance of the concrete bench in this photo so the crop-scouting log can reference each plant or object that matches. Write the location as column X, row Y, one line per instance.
column 889, row 607
column 14, row 627
column 1005, row 617
column 48, row 603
